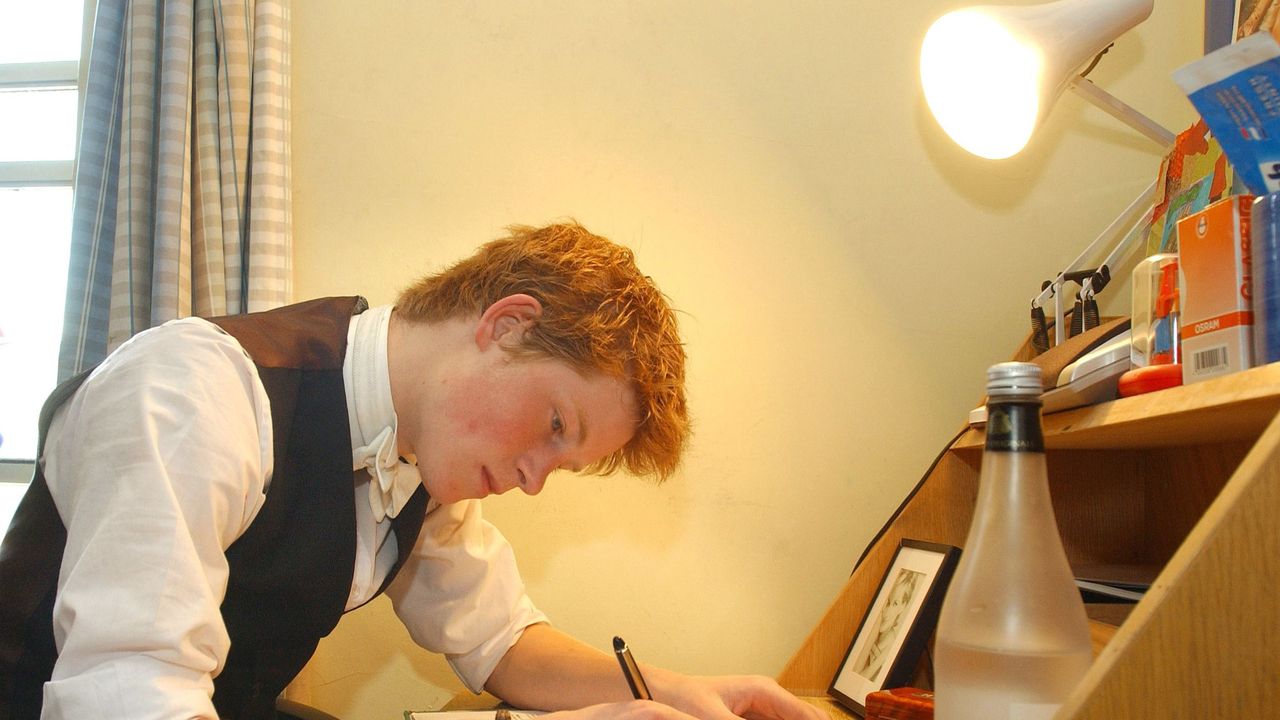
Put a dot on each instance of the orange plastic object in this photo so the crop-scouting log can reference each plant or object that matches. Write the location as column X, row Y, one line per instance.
column 900, row 704
column 1147, row 379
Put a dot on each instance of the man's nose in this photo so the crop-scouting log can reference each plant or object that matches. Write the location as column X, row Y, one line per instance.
column 540, row 464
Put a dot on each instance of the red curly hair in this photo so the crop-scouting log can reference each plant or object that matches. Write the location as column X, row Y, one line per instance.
column 599, row 314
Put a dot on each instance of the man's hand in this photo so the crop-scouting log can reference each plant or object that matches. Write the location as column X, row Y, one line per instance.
column 709, row 698
column 628, row 710
column 724, row 698
column 683, row 697
column 549, row 670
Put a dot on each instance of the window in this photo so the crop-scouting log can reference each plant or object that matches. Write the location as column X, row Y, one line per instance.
column 40, row 48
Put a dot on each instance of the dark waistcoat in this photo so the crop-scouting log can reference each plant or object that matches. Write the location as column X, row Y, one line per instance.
column 290, row 573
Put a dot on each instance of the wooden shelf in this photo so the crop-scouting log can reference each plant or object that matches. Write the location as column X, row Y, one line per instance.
column 1229, row 408
column 1182, row 485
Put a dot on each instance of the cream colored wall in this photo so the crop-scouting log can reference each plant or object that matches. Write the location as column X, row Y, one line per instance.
column 844, row 273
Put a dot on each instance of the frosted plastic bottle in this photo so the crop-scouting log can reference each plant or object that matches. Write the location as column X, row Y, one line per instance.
column 1013, row 639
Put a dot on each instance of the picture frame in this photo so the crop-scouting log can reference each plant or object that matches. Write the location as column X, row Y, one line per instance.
column 1221, row 17
column 897, row 626
column 1226, row 21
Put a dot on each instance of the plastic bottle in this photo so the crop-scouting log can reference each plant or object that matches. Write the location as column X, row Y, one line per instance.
column 1165, row 350
column 1013, row 639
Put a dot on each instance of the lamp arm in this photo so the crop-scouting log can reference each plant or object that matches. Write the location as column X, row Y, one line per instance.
column 1125, row 220
column 1117, row 255
column 1123, row 112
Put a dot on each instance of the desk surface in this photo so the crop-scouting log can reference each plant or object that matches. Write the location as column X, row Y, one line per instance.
column 833, row 709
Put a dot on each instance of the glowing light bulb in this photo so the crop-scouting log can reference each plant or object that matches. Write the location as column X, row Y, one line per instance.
column 982, row 82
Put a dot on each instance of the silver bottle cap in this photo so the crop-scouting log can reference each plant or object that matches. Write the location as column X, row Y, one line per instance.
column 1014, row 381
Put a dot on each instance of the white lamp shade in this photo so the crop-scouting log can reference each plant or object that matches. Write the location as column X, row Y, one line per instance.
column 991, row 73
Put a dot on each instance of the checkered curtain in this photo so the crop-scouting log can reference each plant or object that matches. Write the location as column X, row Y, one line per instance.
column 182, row 202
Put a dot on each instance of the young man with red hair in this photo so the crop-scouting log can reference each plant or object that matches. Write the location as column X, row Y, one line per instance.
column 212, row 497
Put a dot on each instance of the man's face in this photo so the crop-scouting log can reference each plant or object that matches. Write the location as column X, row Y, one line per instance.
column 504, row 423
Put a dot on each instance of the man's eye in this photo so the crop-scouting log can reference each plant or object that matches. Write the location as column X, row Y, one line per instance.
column 557, row 425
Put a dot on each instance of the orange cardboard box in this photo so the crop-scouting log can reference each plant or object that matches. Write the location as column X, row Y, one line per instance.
column 1217, row 309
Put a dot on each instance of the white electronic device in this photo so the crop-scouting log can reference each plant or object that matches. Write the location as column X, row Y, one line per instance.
column 1092, row 378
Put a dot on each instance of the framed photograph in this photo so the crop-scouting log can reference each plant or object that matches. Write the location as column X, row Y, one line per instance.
column 1226, row 21
column 897, row 627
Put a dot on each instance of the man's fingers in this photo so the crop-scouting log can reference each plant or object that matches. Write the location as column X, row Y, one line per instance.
column 769, row 701
column 629, row 710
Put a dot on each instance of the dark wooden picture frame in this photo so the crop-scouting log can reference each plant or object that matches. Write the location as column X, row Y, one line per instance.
column 897, row 626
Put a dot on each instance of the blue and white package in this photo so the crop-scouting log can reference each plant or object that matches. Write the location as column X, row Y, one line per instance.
column 1264, row 251
column 1237, row 91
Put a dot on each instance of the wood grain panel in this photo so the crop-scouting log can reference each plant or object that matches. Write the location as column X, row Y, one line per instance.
column 1233, row 407
column 1203, row 640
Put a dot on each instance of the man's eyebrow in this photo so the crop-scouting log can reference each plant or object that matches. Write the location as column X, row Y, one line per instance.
column 582, row 430
column 582, row 424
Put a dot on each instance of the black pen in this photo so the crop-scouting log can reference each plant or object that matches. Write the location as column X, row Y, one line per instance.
column 631, row 670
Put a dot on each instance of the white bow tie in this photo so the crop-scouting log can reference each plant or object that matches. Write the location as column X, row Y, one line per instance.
column 393, row 481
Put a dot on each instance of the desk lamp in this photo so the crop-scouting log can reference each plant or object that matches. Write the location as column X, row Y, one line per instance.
column 991, row 74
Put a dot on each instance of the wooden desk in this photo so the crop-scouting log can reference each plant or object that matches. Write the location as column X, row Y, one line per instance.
column 1183, row 486
column 834, row 710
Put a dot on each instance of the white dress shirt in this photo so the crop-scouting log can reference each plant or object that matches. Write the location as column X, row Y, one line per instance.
column 159, row 463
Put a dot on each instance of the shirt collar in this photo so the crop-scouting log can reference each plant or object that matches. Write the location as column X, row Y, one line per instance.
column 372, row 415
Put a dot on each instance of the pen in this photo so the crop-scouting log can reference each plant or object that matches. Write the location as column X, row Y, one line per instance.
column 631, row 670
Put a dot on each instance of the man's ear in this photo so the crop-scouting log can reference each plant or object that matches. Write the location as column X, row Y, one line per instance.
column 507, row 320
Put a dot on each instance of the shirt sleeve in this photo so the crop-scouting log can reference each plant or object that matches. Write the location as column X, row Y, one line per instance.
column 461, row 594
column 157, row 464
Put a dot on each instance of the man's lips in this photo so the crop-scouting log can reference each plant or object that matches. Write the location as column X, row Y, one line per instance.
column 489, row 488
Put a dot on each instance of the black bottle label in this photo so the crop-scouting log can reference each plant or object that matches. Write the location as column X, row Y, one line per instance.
column 1014, row 427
